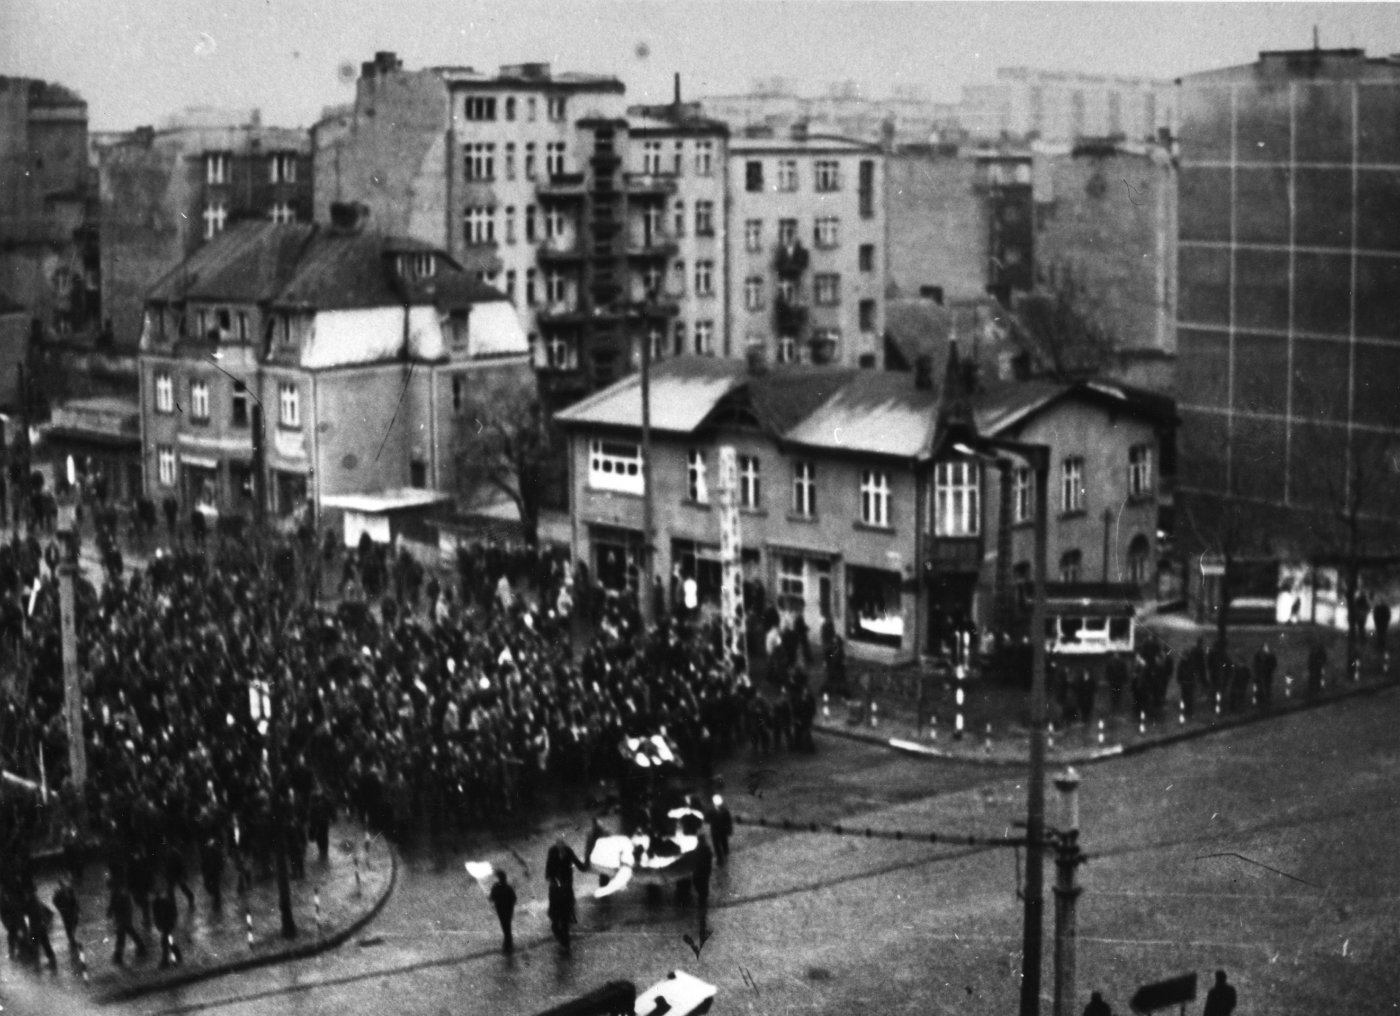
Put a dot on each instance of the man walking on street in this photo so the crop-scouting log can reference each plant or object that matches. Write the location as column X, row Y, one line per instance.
column 121, row 910
column 1221, row 999
column 503, row 901
column 165, row 914
column 1265, row 663
column 722, row 827
column 65, row 901
column 704, row 867
column 559, row 867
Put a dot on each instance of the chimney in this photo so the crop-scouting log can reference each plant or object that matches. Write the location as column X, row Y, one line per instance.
column 923, row 372
column 757, row 358
column 677, row 99
column 799, row 130
column 348, row 216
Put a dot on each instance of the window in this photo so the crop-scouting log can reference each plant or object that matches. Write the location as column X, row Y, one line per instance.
column 529, row 160
column 804, row 489
column 1139, row 559
column 753, row 292
column 678, row 338
column 554, row 158
column 559, row 353
column 1140, row 471
column 656, row 342
column 678, row 276
column 750, row 491
column 510, row 224
column 555, row 287
column 826, row 231
column 282, row 167
column 956, row 487
column 1071, row 566
column 480, row 224
column 530, row 232
column 289, row 403
column 787, row 175
column 531, row 108
column 215, row 216
column 792, row 579
column 704, row 278
column 678, row 162
column 479, row 160
column 704, row 218
column 165, row 393
column 867, row 257
column 242, row 326
column 510, row 284
column 867, row 189
column 787, row 349
column 1072, row 484
column 457, row 389
column 695, row 487
column 615, row 465
column 652, row 278
column 238, row 406
column 553, row 224
column 753, row 235
column 826, row 288
column 556, row 107
column 704, row 338
column 282, row 212
column 652, row 216
column 827, row 175
column 875, row 497
column 510, row 160
column 679, row 218
column 216, row 166
column 530, row 287
column 165, row 465
column 704, row 158
column 480, row 107
column 651, row 156
column 787, row 232
column 201, row 316
column 199, row 401
column 753, row 176
column 787, row 292
column 1022, row 494
column 284, row 329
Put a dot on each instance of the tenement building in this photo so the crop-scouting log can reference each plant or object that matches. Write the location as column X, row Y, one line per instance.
column 1289, row 312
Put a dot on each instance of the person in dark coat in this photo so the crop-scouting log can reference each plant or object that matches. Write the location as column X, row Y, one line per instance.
column 704, row 868
column 1221, row 999
column 559, row 867
column 40, row 918
column 140, row 879
column 165, row 913
column 503, row 902
column 1116, row 674
column 319, row 815
column 65, row 901
column 721, row 827
column 211, row 867
column 121, row 909
column 1380, row 614
column 1265, row 663
column 176, row 874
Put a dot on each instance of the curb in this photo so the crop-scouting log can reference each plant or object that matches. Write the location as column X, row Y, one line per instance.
column 917, row 750
column 297, row 952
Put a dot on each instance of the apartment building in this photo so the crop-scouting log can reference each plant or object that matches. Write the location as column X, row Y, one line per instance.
column 806, row 249
column 1025, row 102
column 298, row 362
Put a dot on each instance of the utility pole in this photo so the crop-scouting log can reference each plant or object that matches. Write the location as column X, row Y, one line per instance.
column 1067, row 859
column 67, row 608
column 644, row 578
column 1035, row 792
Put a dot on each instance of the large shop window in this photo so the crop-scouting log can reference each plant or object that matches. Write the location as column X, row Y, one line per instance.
column 617, row 555
column 615, row 465
column 876, row 606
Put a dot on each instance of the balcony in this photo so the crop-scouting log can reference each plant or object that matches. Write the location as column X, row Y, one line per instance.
column 789, row 316
column 652, row 247
column 558, row 252
column 791, row 260
column 562, row 187
column 658, row 185
column 559, row 314
column 605, row 160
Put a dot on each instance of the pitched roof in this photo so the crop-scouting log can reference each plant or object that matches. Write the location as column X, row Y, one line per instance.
column 683, row 392
column 876, row 412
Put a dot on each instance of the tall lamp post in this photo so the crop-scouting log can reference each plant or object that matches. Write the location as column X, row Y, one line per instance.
column 1067, row 859
column 67, row 608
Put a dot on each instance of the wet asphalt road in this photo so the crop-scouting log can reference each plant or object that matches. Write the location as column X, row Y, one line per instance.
column 1267, row 850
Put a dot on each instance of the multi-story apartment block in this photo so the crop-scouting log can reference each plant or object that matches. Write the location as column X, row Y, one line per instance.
column 1289, row 311
column 850, row 506
column 906, row 116
column 166, row 191
column 48, row 246
column 1064, row 107
column 806, row 249
column 309, row 362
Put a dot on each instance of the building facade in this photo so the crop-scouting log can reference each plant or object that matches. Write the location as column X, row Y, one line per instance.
column 848, row 508
column 1059, row 106
column 806, row 249
column 1289, row 311
column 164, row 192
column 295, row 362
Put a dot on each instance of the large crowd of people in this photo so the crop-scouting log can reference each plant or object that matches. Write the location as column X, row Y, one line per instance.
column 225, row 709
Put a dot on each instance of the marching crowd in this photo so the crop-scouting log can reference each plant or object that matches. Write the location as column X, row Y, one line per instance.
column 225, row 710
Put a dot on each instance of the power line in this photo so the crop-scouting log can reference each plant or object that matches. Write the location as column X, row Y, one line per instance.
column 837, row 829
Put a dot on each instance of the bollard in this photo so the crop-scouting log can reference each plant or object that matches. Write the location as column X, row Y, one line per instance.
column 1142, row 721
column 248, row 919
column 1181, row 711
column 1217, row 703
column 316, row 902
column 826, row 706
column 1100, row 733
column 874, row 714
column 1050, row 735
column 989, row 739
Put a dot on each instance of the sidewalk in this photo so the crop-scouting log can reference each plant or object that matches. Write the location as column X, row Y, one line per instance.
column 350, row 888
column 995, row 717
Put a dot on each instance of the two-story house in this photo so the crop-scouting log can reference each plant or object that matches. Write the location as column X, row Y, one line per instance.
column 850, row 508
column 310, row 361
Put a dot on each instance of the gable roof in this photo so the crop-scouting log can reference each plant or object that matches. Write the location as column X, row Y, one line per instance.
column 880, row 413
column 684, row 390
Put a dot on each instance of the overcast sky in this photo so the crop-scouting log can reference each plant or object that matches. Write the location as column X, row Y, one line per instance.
column 135, row 61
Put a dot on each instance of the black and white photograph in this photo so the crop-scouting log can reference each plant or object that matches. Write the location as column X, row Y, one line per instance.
column 750, row 507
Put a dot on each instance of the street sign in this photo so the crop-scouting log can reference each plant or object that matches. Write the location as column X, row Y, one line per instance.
column 1175, row 991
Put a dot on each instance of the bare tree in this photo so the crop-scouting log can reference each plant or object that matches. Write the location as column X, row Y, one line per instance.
column 1058, row 331
column 515, row 450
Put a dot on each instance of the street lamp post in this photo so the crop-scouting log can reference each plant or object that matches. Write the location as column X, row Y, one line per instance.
column 1067, row 859
column 67, row 608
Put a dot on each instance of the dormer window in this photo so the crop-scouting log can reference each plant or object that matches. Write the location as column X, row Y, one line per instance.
column 418, row 265
column 282, row 167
